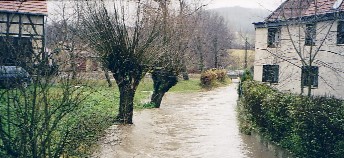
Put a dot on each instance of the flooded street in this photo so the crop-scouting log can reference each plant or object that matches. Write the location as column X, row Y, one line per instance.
column 188, row 125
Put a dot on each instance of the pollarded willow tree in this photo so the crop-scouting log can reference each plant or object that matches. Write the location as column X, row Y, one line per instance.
column 175, row 39
column 127, row 43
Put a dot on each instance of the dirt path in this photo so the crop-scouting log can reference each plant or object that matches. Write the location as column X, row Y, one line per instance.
column 191, row 125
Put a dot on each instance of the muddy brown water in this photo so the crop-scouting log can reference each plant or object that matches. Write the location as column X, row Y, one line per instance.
column 190, row 125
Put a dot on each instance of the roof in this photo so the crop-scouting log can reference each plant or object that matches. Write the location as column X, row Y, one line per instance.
column 302, row 8
column 323, row 7
column 28, row 6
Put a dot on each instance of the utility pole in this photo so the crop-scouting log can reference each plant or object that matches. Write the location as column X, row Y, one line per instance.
column 246, row 47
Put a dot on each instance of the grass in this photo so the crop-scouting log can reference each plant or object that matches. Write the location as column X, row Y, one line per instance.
column 101, row 106
column 237, row 58
column 145, row 89
column 98, row 110
column 103, row 102
column 192, row 85
column 240, row 53
column 217, row 84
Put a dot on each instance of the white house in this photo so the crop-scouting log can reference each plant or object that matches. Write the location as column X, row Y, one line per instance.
column 300, row 48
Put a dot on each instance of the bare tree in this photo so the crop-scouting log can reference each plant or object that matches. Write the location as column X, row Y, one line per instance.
column 211, row 40
column 127, row 50
column 34, row 116
column 176, row 38
column 219, row 38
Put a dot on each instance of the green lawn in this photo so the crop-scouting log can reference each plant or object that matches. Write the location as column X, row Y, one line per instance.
column 104, row 99
column 192, row 85
column 98, row 110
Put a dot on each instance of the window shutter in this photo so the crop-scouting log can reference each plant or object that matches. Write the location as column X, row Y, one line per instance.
column 340, row 32
column 309, row 75
column 315, row 74
column 270, row 73
column 273, row 37
column 310, row 34
column 265, row 73
column 275, row 73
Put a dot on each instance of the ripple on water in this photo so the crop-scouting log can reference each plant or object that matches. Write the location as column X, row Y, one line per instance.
column 193, row 125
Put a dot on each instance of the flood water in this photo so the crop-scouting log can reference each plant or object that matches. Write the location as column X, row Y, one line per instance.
column 190, row 125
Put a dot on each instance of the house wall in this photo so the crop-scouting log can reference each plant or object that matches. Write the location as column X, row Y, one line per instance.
column 329, row 58
column 84, row 61
column 24, row 25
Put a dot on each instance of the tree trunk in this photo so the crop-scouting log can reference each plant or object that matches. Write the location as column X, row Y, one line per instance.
column 185, row 73
column 200, row 53
column 162, row 81
column 73, row 65
column 309, row 86
column 127, row 81
column 126, row 105
column 185, row 76
column 216, row 65
column 157, row 98
column 107, row 77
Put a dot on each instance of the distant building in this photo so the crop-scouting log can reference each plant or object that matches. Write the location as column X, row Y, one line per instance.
column 22, row 32
column 83, row 59
column 300, row 44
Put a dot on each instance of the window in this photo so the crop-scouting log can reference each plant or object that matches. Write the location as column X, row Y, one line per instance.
column 270, row 73
column 309, row 75
column 340, row 32
column 14, row 49
column 310, row 35
column 273, row 37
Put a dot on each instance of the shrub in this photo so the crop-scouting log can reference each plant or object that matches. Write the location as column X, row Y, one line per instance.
column 33, row 121
column 145, row 105
column 308, row 127
column 221, row 75
column 247, row 76
column 210, row 77
column 90, row 121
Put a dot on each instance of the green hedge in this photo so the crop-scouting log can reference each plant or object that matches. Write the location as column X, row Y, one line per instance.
column 308, row 127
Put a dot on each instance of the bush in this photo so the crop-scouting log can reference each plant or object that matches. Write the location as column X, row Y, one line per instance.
column 308, row 127
column 210, row 77
column 247, row 76
column 90, row 121
column 34, row 120
column 221, row 75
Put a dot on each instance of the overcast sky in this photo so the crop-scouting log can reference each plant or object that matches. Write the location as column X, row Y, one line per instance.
column 211, row 4
column 263, row 4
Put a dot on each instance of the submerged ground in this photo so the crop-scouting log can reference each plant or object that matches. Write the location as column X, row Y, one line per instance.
column 189, row 125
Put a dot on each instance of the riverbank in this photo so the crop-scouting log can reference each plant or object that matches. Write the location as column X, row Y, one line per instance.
column 306, row 126
column 101, row 107
column 198, row 124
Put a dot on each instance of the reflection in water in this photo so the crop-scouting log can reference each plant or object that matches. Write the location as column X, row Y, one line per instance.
column 196, row 125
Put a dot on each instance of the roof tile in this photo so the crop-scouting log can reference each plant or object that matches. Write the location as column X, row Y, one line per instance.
column 29, row 6
column 299, row 8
